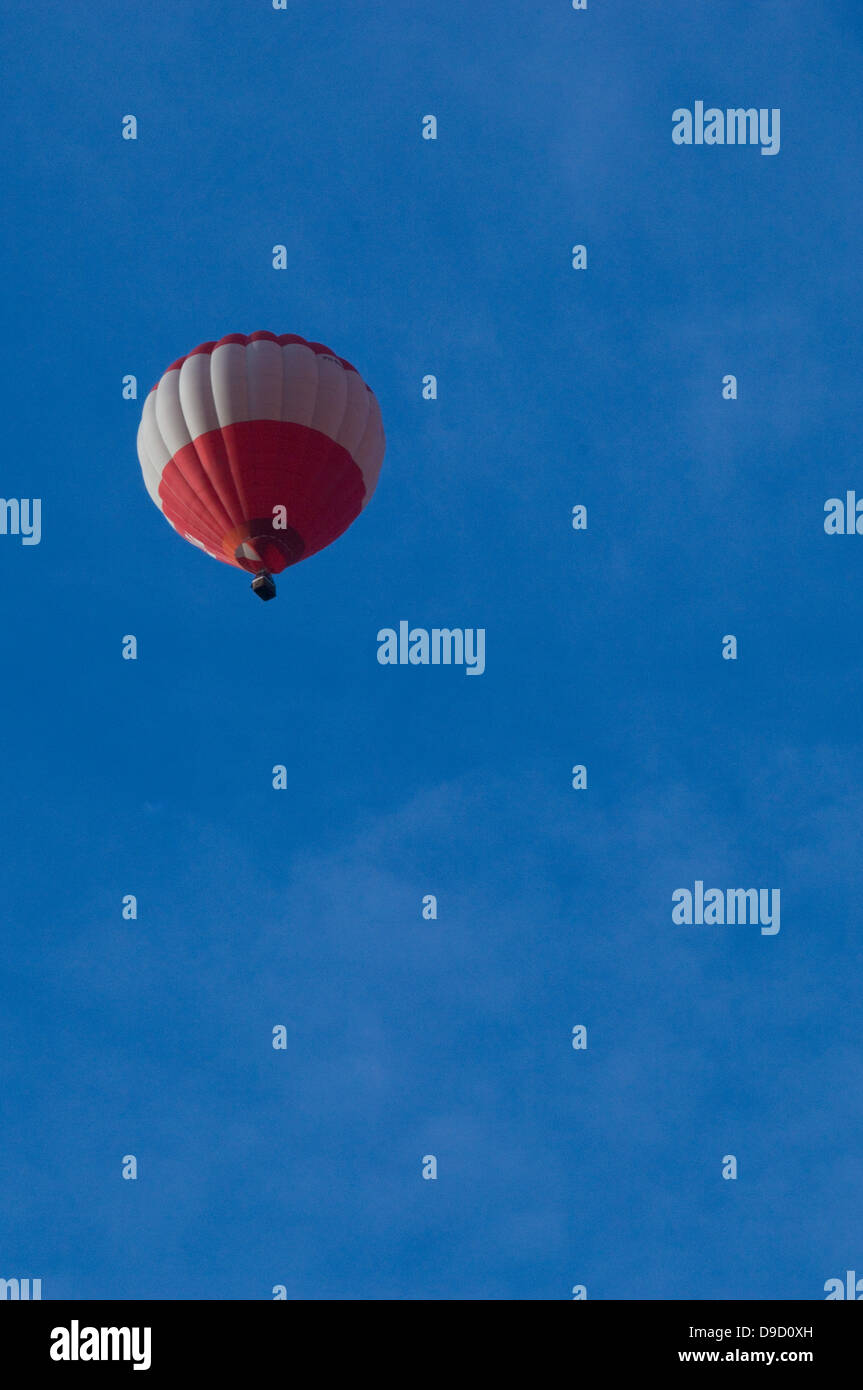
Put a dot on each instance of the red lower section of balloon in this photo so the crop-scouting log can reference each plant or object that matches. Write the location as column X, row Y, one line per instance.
column 227, row 489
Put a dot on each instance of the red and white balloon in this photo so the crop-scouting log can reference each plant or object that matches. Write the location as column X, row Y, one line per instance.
column 261, row 450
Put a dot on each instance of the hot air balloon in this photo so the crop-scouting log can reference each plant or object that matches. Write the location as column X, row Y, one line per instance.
column 261, row 450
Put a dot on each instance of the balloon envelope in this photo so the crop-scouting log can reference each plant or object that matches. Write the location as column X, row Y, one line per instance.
column 261, row 450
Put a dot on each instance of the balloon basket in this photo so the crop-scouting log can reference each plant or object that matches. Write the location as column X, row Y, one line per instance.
column 264, row 585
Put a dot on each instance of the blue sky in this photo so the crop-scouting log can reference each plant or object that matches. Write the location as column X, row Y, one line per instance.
column 302, row 907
